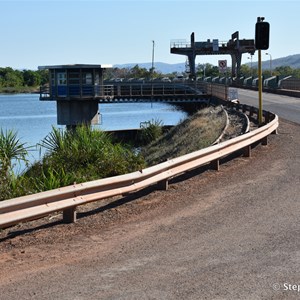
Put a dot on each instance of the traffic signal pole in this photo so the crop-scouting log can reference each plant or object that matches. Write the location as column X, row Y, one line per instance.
column 262, row 31
column 260, row 102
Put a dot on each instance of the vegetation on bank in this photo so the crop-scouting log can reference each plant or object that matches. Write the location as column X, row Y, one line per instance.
column 21, row 81
column 194, row 133
column 86, row 154
column 72, row 156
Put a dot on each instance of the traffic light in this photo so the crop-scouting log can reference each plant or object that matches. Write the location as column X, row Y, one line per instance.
column 262, row 33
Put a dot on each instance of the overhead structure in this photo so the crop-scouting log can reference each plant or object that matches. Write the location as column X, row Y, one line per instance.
column 234, row 47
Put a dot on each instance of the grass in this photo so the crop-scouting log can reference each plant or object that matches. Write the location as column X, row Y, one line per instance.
column 197, row 132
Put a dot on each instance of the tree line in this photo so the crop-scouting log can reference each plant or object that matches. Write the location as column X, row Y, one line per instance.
column 28, row 80
column 11, row 79
column 207, row 70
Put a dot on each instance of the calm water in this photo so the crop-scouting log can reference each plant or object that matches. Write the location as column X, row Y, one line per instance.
column 33, row 119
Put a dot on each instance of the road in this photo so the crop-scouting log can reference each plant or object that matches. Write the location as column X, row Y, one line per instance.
column 284, row 106
column 232, row 234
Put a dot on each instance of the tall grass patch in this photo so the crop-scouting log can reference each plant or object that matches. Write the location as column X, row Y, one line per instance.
column 194, row 133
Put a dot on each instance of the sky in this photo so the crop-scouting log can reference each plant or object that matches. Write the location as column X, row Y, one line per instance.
column 41, row 32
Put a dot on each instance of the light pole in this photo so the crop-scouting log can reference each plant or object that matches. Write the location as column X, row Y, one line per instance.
column 251, row 64
column 152, row 69
column 270, row 62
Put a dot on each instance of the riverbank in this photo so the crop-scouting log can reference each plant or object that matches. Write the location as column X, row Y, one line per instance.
column 19, row 90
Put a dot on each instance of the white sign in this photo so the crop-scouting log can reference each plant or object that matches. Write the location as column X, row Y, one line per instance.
column 233, row 94
column 215, row 45
column 222, row 66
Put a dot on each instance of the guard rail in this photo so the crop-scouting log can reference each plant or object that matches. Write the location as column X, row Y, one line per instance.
column 66, row 199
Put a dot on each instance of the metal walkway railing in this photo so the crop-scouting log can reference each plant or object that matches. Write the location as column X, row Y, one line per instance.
column 121, row 90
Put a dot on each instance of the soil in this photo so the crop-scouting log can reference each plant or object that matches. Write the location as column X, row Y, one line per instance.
column 231, row 234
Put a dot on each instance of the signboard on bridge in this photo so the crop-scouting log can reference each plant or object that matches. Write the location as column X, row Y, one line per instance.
column 222, row 66
column 215, row 45
column 233, row 94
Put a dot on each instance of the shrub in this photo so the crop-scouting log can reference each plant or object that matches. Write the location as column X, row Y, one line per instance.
column 151, row 131
column 78, row 156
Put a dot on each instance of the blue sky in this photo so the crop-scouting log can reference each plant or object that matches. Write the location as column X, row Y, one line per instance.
column 54, row 32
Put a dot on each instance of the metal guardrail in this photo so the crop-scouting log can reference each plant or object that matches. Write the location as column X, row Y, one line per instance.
column 66, row 199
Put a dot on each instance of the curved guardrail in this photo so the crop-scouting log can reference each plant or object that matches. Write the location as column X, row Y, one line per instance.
column 66, row 199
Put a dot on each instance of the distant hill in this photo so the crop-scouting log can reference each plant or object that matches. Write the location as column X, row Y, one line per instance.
column 292, row 60
column 159, row 66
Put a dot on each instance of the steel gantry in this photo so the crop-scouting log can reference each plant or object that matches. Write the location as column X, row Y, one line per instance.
column 234, row 47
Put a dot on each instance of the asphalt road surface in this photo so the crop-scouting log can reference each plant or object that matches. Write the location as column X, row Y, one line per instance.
column 284, row 106
column 232, row 234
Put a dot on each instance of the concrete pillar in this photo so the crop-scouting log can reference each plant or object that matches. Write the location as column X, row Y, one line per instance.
column 76, row 112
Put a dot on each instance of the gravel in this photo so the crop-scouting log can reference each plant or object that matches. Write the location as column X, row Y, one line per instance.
column 232, row 234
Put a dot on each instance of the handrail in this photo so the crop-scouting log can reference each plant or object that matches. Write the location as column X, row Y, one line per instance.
column 66, row 199
column 114, row 90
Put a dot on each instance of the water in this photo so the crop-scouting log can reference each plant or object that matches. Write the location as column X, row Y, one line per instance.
column 33, row 119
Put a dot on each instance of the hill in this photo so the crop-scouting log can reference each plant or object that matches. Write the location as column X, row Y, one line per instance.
column 159, row 66
column 292, row 61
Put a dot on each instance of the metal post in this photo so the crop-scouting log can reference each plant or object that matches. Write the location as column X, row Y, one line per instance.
column 260, row 102
column 152, row 69
column 270, row 63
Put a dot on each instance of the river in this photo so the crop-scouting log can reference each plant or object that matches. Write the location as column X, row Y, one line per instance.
column 33, row 119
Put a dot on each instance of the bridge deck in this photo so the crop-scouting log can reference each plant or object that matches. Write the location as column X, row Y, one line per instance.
column 129, row 92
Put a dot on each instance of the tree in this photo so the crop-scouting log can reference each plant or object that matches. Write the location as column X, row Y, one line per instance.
column 138, row 72
column 211, row 70
column 31, row 78
column 10, row 77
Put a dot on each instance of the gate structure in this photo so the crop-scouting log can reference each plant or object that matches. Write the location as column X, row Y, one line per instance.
column 234, row 47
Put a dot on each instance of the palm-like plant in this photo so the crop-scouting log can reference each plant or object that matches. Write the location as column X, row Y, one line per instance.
column 11, row 149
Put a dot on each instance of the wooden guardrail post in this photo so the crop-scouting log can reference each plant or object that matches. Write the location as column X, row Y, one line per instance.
column 247, row 151
column 215, row 164
column 264, row 141
column 163, row 185
column 69, row 215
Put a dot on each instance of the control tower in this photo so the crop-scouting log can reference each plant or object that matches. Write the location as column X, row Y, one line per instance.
column 234, row 47
column 77, row 90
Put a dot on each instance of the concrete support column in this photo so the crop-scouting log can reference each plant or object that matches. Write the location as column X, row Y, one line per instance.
column 74, row 112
